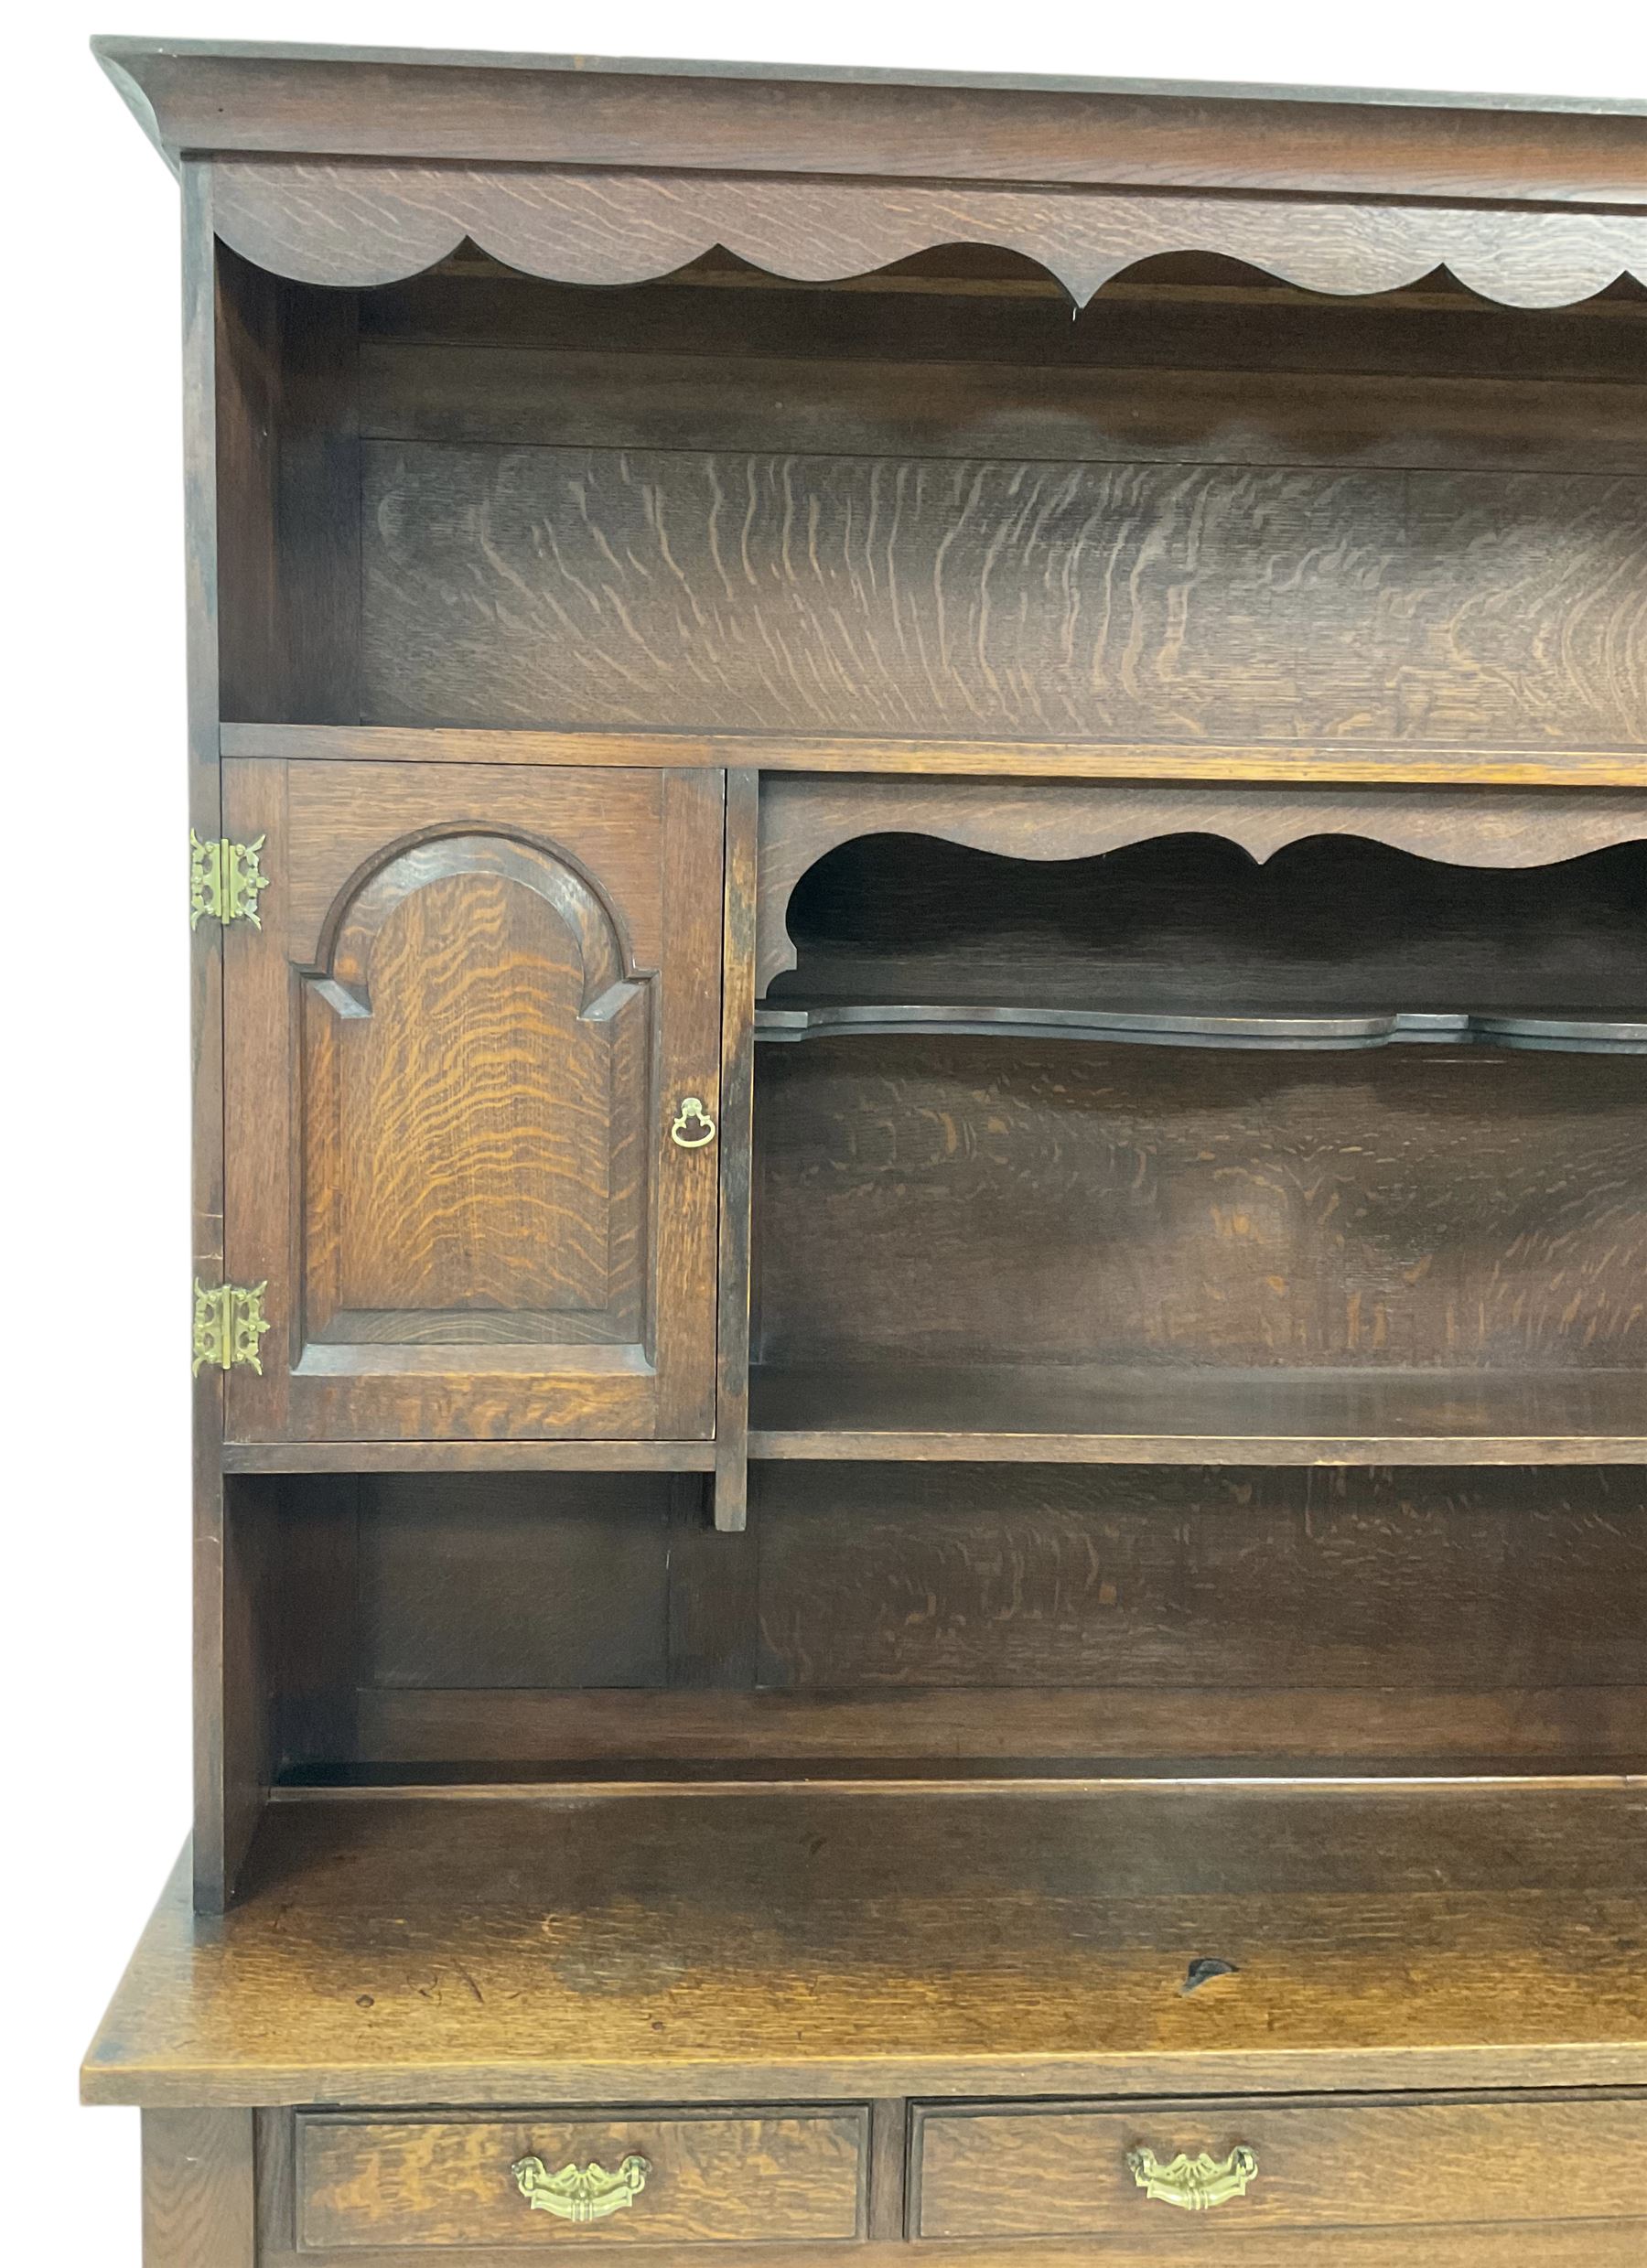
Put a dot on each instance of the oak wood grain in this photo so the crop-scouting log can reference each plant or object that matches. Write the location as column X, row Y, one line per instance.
column 930, row 1577
column 197, row 2196
column 459, row 1039
column 1293, row 764
column 736, row 1147
column 424, row 1736
column 804, row 818
column 566, row 111
column 772, row 2177
column 351, row 224
column 1012, row 2173
column 562, row 397
column 954, row 1202
column 943, row 597
column 644, row 1949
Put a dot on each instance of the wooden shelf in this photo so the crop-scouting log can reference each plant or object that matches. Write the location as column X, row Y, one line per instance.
column 1576, row 1035
column 1286, row 763
column 787, row 1944
column 1058, row 1414
column 468, row 1457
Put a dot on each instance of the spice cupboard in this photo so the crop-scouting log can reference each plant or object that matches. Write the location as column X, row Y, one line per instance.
column 918, row 893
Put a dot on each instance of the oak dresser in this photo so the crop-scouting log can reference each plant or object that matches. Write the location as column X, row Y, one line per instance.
column 919, row 890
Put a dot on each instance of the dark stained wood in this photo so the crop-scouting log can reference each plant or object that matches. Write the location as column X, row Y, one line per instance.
column 1033, row 1597
column 1056, row 2171
column 413, row 1737
column 1058, row 1412
column 505, row 1951
column 1080, row 1210
column 340, row 224
column 493, row 1581
column 924, row 1578
column 744, row 591
column 525, row 1252
column 736, row 1139
column 1291, row 765
column 713, row 1599
column 468, row 1457
column 561, row 397
column 566, row 111
column 803, row 819
column 779, row 2176
column 197, row 2196
column 963, row 305
column 288, row 458
column 221, row 1823
column 1579, row 2244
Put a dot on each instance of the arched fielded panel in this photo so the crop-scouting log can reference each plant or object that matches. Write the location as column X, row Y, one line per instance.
column 461, row 1037
column 474, row 1077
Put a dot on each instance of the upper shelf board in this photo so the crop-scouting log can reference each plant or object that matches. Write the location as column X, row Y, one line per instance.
column 820, row 177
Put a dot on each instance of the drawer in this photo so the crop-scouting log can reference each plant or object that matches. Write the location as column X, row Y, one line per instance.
column 1073, row 2169
column 674, row 2177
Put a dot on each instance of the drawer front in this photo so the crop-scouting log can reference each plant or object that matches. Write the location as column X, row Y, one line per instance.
column 1111, row 2170
column 678, row 2178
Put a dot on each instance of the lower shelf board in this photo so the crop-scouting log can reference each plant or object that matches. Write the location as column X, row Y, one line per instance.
column 1073, row 1413
column 812, row 1943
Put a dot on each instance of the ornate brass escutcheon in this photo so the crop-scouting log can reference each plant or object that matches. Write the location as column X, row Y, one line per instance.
column 580, row 2193
column 693, row 1126
column 1195, row 2184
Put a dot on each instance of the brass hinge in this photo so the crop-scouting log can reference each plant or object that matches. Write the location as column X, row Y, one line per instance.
column 224, row 880
column 228, row 1324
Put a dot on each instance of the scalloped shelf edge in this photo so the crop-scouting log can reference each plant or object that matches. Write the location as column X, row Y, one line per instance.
column 363, row 223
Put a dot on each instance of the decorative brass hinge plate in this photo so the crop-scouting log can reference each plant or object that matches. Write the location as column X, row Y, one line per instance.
column 224, row 881
column 228, row 1324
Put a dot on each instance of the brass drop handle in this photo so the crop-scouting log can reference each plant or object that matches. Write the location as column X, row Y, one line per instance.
column 694, row 1127
column 1194, row 2183
column 580, row 2193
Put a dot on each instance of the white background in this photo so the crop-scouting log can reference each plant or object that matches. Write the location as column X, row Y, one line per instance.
column 93, row 1482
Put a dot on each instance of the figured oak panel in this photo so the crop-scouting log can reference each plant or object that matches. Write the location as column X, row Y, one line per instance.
column 457, row 1044
column 1006, row 2172
column 994, row 599
column 474, row 1074
column 961, row 1201
column 913, row 1576
column 794, row 2177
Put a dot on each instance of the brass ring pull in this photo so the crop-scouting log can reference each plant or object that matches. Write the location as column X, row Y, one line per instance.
column 694, row 1127
column 1194, row 2183
column 580, row 2193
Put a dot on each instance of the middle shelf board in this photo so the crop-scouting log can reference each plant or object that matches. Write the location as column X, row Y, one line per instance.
column 1575, row 1033
column 1075, row 1413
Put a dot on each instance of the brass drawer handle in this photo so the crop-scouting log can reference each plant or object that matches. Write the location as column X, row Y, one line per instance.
column 580, row 2193
column 694, row 1127
column 1196, row 2184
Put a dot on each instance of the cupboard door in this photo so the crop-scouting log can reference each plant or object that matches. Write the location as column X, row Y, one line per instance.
column 454, row 1050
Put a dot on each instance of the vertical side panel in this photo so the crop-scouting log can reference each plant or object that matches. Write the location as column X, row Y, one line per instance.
column 206, row 1010
column 687, row 1209
column 199, row 2197
column 260, row 1171
column 736, row 1131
